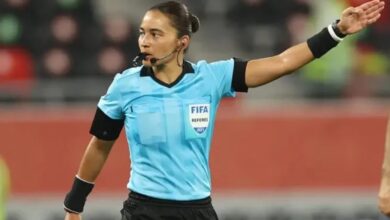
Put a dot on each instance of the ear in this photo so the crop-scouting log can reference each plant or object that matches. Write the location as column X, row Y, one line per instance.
column 184, row 42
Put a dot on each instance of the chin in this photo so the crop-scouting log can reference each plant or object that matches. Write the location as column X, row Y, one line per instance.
column 146, row 63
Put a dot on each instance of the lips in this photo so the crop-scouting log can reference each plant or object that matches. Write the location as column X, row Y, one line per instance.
column 146, row 56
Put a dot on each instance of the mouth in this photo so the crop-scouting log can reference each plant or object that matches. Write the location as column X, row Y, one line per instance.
column 146, row 56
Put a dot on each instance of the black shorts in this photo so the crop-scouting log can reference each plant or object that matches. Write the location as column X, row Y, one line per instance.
column 141, row 207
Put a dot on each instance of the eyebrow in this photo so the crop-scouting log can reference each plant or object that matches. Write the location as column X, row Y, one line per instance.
column 152, row 30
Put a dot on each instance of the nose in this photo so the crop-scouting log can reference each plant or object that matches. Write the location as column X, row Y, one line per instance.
column 144, row 41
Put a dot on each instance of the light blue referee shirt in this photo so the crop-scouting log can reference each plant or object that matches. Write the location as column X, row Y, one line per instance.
column 169, row 126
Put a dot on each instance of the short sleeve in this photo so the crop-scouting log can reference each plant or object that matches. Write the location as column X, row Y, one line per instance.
column 229, row 76
column 110, row 103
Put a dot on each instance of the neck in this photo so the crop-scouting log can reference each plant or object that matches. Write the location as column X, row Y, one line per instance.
column 169, row 71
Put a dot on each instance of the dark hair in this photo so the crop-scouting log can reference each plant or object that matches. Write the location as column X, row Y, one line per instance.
column 184, row 22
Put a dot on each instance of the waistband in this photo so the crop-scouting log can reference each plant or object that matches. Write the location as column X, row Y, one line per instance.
column 206, row 202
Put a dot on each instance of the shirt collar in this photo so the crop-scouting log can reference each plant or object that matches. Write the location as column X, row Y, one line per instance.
column 187, row 68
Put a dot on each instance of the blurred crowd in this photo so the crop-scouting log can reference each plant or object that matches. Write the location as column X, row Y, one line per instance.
column 61, row 38
column 66, row 39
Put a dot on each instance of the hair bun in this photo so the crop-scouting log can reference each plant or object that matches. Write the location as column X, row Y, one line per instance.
column 195, row 23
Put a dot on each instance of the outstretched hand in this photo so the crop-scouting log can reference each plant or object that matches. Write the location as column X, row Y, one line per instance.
column 354, row 19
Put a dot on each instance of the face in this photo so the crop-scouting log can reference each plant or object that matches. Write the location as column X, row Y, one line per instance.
column 157, row 37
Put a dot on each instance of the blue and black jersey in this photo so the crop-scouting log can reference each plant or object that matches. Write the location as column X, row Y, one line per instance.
column 169, row 127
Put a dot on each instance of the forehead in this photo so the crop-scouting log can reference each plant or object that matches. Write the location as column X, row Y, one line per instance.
column 155, row 19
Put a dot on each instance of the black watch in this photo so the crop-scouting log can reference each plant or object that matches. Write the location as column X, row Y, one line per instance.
column 337, row 30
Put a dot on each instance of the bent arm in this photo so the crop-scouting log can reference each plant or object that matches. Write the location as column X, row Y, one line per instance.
column 262, row 71
column 94, row 158
column 92, row 163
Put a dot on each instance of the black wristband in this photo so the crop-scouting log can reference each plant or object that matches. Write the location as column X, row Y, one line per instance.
column 337, row 30
column 75, row 200
column 321, row 43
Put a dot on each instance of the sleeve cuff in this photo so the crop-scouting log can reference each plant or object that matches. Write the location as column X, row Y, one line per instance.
column 333, row 34
column 70, row 210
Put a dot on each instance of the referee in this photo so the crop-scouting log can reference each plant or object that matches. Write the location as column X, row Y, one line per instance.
column 168, row 106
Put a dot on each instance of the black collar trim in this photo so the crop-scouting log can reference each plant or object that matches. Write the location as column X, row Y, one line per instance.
column 148, row 71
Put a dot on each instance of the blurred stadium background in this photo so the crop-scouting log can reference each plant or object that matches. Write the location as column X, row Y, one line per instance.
column 306, row 147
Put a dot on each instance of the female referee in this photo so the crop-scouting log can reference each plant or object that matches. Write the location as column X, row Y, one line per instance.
column 168, row 107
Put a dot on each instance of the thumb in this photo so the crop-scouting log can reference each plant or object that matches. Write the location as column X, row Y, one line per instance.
column 352, row 10
column 348, row 10
column 358, row 11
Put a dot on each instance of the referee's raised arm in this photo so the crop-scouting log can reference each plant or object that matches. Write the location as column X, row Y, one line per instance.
column 352, row 20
